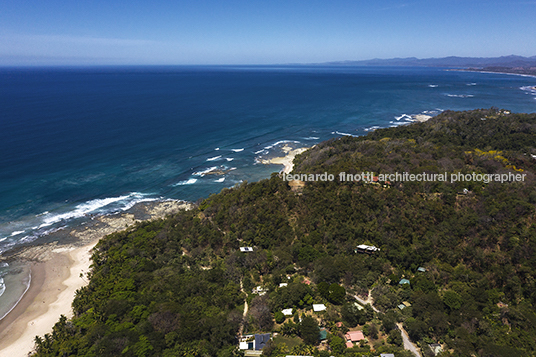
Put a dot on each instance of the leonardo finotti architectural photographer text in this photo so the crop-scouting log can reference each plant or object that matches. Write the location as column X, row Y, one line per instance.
column 369, row 177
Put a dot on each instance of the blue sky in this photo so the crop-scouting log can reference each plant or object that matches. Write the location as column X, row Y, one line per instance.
column 259, row 31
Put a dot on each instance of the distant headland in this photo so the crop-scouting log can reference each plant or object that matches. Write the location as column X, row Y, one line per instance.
column 503, row 62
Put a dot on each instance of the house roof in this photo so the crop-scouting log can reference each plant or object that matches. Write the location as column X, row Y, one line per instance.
column 246, row 249
column 421, row 269
column 319, row 307
column 354, row 336
column 349, row 344
column 323, row 334
column 287, row 312
column 401, row 306
column 369, row 248
column 243, row 346
column 261, row 340
column 403, row 281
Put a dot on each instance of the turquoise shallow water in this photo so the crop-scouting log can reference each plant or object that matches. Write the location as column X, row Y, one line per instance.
column 76, row 142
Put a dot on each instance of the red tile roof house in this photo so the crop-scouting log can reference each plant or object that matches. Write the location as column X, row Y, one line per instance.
column 352, row 337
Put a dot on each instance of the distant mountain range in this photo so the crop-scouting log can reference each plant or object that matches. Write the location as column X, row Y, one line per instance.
column 452, row 61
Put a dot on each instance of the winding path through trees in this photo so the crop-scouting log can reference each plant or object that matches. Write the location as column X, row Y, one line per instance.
column 408, row 345
column 241, row 329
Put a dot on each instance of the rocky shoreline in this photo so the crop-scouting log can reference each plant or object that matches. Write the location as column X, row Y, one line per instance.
column 96, row 228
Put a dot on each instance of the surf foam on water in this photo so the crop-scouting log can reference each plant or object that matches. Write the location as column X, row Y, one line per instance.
column 406, row 116
column 398, row 123
column 214, row 158
column 237, row 150
column 206, row 171
column 529, row 90
column 93, row 206
column 220, row 180
column 267, row 148
column 372, row 128
column 54, row 220
column 186, row 182
column 343, row 134
column 459, row 95
column 280, row 142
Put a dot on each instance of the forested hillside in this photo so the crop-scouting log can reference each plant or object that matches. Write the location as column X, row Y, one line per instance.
column 177, row 287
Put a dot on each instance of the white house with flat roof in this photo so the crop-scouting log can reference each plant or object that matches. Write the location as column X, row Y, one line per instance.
column 319, row 307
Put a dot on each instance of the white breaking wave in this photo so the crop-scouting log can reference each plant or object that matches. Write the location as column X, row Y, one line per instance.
column 408, row 117
column 216, row 149
column 372, row 128
column 214, row 158
column 279, row 143
column 344, row 134
column 91, row 207
column 16, row 233
column 529, row 89
column 206, row 171
column 460, row 95
column 186, row 182
column 398, row 123
column 229, row 158
column 433, row 85
column 220, row 180
column 237, row 150
column 312, row 138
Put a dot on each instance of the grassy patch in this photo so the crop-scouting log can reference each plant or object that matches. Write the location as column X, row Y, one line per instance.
column 289, row 341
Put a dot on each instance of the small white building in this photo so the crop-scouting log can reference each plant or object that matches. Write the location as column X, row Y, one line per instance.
column 246, row 249
column 282, row 285
column 363, row 248
column 259, row 290
column 287, row 312
column 319, row 307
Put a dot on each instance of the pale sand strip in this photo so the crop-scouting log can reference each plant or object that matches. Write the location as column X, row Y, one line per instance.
column 51, row 293
column 55, row 279
column 287, row 161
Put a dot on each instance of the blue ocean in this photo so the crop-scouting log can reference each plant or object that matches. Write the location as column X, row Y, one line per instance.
column 78, row 142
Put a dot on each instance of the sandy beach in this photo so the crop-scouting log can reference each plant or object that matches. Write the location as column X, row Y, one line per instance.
column 52, row 289
column 287, row 161
column 57, row 271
